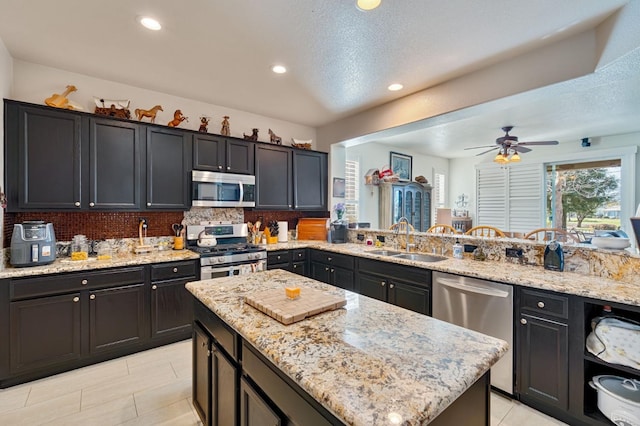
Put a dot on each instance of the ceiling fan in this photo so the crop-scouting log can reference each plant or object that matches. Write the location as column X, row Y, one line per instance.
column 509, row 148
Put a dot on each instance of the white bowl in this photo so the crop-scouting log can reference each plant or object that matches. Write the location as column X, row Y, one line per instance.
column 610, row 242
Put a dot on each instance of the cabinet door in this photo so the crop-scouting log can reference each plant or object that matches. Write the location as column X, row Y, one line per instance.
column 49, row 157
column 171, row 308
column 168, row 168
column 114, row 165
column 240, row 157
column 224, row 389
column 320, row 272
column 343, row 278
column 116, row 317
column 309, row 180
column 273, row 178
column 299, row 268
column 543, row 361
column 397, row 200
column 372, row 286
column 414, row 298
column 209, row 153
column 255, row 411
column 201, row 374
column 44, row 331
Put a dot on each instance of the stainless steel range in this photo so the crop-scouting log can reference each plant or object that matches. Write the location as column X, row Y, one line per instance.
column 224, row 250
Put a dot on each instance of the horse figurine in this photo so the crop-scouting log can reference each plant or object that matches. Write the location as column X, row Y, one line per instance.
column 177, row 119
column 253, row 136
column 151, row 113
column 275, row 138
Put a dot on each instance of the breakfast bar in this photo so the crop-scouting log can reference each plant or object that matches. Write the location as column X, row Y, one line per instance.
column 368, row 363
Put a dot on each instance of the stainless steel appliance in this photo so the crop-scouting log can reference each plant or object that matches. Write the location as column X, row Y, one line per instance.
column 229, row 255
column 33, row 243
column 482, row 306
column 211, row 189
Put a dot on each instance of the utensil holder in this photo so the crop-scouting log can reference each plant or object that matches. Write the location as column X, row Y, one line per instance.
column 178, row 243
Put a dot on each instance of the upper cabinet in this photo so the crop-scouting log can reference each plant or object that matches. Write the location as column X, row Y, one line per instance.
column 309, row 180
column 219, row 154
column 168, row 169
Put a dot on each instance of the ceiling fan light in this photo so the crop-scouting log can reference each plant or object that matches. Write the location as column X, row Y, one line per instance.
column 367, row 4
column 500, row 159
column 515, row 157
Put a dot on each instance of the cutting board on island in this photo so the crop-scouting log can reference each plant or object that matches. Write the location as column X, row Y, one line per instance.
column 311, row 302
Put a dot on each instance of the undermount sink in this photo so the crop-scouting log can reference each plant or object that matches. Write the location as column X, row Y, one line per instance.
column 384, row 252
column 420, row 257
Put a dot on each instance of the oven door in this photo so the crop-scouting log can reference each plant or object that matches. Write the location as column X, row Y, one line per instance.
column 210, row 189
column 209, row 272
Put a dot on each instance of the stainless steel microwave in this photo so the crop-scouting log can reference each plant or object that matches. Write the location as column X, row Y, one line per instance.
column 211, row 189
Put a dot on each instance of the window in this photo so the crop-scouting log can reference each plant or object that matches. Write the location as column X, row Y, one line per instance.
column 439, row 191
column 352, row 191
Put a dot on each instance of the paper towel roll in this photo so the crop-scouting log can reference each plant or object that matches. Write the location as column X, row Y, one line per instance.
column 283, row 231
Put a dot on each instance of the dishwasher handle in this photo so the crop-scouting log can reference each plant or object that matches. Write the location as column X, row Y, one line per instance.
column 487, row 291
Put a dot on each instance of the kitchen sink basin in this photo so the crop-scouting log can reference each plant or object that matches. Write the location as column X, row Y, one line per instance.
column 385, row 252
column 420, row 257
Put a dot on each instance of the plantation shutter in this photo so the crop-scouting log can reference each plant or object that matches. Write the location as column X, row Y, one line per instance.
column 491, row 206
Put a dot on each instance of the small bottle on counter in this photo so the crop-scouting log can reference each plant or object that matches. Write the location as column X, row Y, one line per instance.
column 458, row 250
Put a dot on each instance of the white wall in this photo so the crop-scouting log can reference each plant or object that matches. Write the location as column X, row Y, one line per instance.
column 6, row 74
column 376, row 155
column 34, row 83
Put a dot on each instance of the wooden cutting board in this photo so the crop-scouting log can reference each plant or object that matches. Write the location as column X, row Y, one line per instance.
column 287, row 311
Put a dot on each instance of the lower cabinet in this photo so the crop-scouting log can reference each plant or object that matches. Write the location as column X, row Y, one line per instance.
column 543, row 349
column 291, row 260
column 403, row 286
column 254, row 410
column 332, row 268
column 171, row 302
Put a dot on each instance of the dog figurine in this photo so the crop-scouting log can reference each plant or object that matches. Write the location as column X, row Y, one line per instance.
column 252, row 137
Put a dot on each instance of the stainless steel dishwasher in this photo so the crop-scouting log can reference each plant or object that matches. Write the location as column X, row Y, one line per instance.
column 482, row 306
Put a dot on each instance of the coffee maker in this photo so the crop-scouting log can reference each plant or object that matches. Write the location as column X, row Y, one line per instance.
column 339, row 232
column 33, row 243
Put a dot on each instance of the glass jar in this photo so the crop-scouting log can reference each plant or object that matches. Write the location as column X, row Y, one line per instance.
column 104, row 250
column 79, row 248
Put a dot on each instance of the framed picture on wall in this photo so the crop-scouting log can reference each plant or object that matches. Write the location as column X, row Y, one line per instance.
column 338, row 187
column 401, row 164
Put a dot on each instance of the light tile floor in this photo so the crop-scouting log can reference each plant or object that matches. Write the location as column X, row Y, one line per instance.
column 151, row 388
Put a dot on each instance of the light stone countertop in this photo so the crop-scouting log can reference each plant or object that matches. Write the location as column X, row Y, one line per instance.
column 364, row 361
column 61, row 265
column 523, row 275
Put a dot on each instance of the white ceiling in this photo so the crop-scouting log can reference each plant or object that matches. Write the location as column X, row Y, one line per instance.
column 340, row 59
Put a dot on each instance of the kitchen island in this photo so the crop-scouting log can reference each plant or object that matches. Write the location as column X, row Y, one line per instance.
column 370, row 363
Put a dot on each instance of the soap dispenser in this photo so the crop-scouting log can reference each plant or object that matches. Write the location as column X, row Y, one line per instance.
column 554, row 257
column 458, row 250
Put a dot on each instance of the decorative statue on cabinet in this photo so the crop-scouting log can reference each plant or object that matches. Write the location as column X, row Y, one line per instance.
column 177, row 119
column 225, row 131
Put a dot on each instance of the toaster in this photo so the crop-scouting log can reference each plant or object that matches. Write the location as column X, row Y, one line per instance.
column 33, row 243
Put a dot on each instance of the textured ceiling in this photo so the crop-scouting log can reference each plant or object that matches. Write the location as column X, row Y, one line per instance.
column 340, row 59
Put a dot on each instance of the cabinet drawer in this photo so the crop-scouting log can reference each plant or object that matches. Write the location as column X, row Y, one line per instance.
column 539, row 302
column 23, row 288
column 167, row 271
column 334, row 259
column 225, row 336
column 298, row 255
column 278, row 257
column 386, row 269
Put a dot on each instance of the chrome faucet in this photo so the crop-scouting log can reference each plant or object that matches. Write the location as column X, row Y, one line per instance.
column 404, row 220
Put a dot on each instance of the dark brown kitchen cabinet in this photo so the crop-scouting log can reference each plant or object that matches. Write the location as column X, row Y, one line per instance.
column 44, row 332
column 171, row 302
column 219, row 154
column 309, row 180
column 116, row 318
column 274, row 186
column 332, row 268
column 254, row 410
column 43, row 156
column 290, row 260
column 542, row 350
column 115, row 165
column 403, row 286
column 168, row 169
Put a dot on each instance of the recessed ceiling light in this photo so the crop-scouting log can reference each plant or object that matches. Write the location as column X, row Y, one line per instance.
column 395, row 87
column 279, row 69
column 367, row 4
column 149, row 23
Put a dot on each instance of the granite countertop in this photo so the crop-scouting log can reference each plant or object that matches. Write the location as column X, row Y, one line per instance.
column 119, row 259
column 363, row 362
column 523, row 275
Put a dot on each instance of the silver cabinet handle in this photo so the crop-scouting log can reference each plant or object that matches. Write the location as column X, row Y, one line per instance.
column 154, row 287
column 148, row 204
column 278, row 257
column 84, row 282
column 295, row 266
column 329, row 259
column 383, row 283
column 540, row 305
column 91, row 204
column 220, row 167
column 76, row 299
column 204, row 344
column 391, row 286
column 175, row 269
column 289, row 205
column 92, row 297
column 326, row 268
column 333, row 270
column 299, row 254
column 523, row 321
column 77, row 203
column 228, row 167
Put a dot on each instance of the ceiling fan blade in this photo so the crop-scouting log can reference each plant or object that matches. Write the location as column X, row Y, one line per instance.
column 521, row 150
column 538, row 143
column 483, row 146
column 489, row 150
